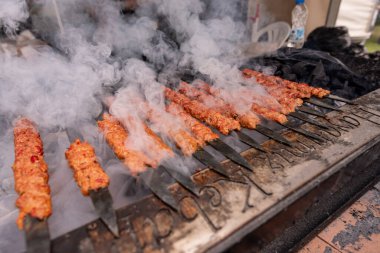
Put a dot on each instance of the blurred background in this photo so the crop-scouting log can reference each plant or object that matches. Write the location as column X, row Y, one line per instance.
column 359, row 16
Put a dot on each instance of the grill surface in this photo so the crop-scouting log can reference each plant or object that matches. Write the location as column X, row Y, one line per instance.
column 227, row 210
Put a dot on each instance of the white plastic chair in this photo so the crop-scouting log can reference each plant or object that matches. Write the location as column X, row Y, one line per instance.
column 276, row 36
column 276, row 33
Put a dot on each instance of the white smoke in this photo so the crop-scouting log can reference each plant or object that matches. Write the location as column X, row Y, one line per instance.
column 97, row 46
column 48, row 89
column 12, row 12
column 211, row 40
column 56, row 91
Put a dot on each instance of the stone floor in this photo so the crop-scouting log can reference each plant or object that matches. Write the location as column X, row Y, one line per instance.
column 357, row 229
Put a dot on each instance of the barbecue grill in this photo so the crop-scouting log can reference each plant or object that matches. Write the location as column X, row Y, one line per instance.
column 227, row 209
column 269, row 167
column 205, row 195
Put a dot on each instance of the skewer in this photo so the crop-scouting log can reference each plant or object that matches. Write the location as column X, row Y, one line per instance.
column 308, row 120
column 306, row 109
column 322, row 104
column 190, row 146
column 298, row 91
column 207, row 159
column 103, row 203
column 37, row 235
column 31, row 183
column 152, row 179
column 206, row 93
column 205, row 135
column 302, row 87
column 230, row 153
column 273, row 135
column 334, row 97
column 186, row 182
column 296, row 129
column 150, row 176
column 221, row 111
column 182, row 179
column 100, row 197
column 249, row 141
column 302, row 131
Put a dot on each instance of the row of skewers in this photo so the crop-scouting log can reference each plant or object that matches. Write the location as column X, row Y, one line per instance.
column 192, row 104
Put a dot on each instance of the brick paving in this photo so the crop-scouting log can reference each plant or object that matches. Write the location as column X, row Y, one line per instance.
column 357, row 229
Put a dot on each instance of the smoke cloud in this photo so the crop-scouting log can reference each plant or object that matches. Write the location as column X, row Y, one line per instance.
column 12, row 12
column 60, row 79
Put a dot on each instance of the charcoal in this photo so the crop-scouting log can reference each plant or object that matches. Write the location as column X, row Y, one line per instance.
column 329, row 39
column 317, row 68
column 329, row 60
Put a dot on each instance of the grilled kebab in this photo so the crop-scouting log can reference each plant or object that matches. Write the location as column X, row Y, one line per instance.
column 183, row 139
column 248, row 119
column 117, row 136
column 202, row 133
column 302, row 90
column 199, row 111
column 267, row 109
column 30, row 173
column 88, row 173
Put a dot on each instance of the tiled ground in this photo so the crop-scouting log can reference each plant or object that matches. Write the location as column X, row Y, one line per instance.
column 357, row 229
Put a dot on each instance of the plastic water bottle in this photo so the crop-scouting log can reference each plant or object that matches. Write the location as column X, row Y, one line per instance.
column 299, row 19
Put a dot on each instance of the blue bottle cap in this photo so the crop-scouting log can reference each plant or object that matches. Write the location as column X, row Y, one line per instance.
column 300, row 1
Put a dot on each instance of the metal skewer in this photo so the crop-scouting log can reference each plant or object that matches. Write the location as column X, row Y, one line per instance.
column 37, row 235
column 249, row 141
column 308, row 110
column 207, row 159
column 308, row 120
column 273, row 135
column 153, row 179
column 103, row 203
column 230, row 153
column 322, row 104
column 101, row 199
column 334, row 97
column 182, row 179
column 302, row 131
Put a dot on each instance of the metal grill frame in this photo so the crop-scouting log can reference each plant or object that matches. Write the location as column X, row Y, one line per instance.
column 227, row 210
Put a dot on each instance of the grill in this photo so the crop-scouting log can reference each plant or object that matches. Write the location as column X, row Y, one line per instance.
column 228, row 209
column 225, row 184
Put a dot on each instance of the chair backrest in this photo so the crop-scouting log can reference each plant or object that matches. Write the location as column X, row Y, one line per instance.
column 275, row 33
